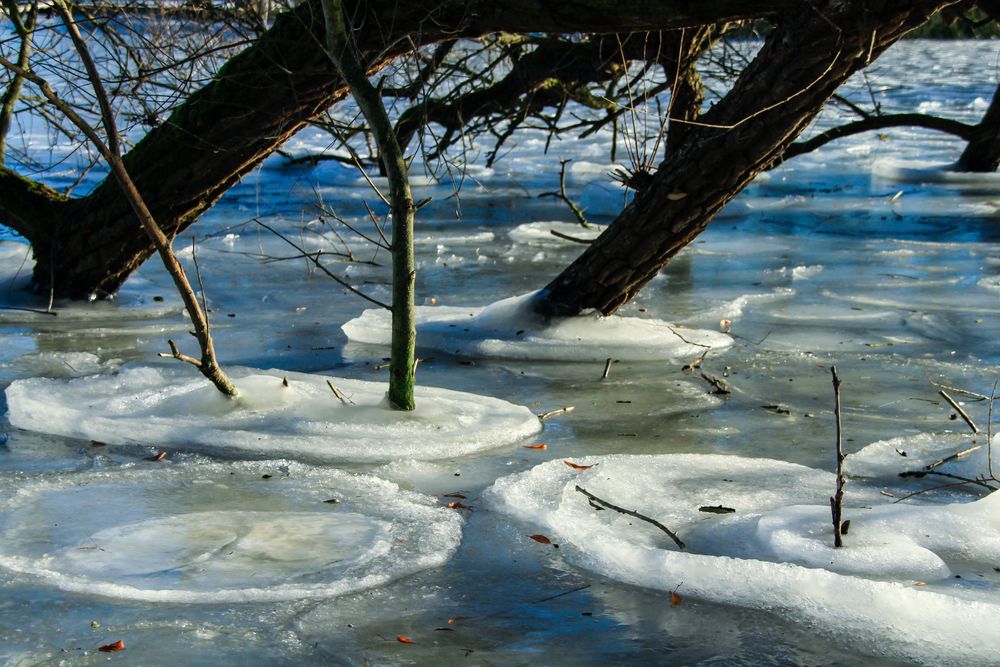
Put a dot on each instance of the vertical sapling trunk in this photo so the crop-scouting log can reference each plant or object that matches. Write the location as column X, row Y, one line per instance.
column 402, row 364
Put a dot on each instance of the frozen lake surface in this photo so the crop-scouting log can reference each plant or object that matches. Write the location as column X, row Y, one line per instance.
column 136, row 505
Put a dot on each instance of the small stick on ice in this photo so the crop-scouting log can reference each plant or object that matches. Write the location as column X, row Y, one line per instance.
column 594, row 499
column 607, row 368
column 567, row 237
column 948, row 459
column 720, row 386
column 696, row 363
column 339, row 394
column 553, row 413
column 958, row 408
column 989, row 433
column 837, row 501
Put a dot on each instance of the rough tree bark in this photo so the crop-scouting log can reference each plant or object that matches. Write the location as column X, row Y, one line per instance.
column 90, row 245
column 982, row 153
column 808, row 55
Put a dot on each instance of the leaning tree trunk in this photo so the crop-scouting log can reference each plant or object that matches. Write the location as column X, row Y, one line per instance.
column 982, row 153
column 90, row 245
column 804, row 60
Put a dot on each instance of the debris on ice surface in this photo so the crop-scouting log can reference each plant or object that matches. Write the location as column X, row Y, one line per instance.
column 218, row 532
column 176, row 407
column 510, row 329
column 891, row 590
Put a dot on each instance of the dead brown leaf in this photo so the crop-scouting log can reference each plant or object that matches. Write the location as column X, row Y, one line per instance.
column 540, row 445
column 111, row 648
column 577, row 466
column 403, row 639
column 540, row 538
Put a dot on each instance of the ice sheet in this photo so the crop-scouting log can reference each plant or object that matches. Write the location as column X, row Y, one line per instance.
column 176, row 407
column 176, row 533
column 891, row 590
column 509, row 329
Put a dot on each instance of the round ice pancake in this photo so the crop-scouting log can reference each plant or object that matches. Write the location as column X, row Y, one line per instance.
column 277, row 413
column 222, row 533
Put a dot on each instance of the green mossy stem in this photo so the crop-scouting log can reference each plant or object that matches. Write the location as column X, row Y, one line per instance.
column 402, row 362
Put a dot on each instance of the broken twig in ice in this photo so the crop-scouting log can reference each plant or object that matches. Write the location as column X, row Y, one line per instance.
column 339, row 394
column 594, row 499
column 941, row 462
column 721, row 387
column 607, row 368
column 567, row 237
column 958, row 408
column 553, row 413
column 837, row 501
column 716, row 509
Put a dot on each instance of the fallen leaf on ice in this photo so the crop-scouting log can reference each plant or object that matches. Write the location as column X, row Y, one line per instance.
column 577, row 466
column 540, row 538
column 455, row 505
column 540, row 445
column 111, row 648
column 675, row 598
column 403, row 639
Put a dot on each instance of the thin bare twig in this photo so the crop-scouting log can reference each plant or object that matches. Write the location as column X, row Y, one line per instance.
column 562, row 194
column 680, row 544
column 339, row 394
column 313, row 257
column 567, row 237
column 721, row 387
column 989, row 433
column 837, row 501
column 553, row 413
column 958, row 408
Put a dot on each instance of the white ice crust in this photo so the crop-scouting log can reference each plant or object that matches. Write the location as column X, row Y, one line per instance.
column 509, row 329
column 891, row 589
column 174, row 533
column 176, row 407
